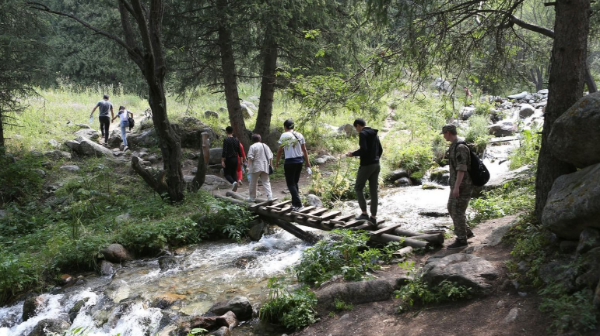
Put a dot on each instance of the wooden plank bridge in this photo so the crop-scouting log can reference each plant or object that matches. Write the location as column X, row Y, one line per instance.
column 281, row 214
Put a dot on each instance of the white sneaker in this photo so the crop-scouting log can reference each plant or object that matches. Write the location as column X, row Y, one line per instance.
column 269, row 198
column 240, row 183
column 250, row 200
column 234, row 187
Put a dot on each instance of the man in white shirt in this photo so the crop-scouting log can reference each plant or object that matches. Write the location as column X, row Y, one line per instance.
column 294, row 146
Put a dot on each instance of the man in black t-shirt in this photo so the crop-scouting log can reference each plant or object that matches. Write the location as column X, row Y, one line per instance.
column 229, row 158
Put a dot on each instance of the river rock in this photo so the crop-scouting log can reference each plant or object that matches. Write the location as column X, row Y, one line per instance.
column 167, row 262
column 88, row 134
column 588, row 239
column 215, row 155
column 107, row 268
column 90, row 148
column 211, row 114
column 355, row 292
column 213, row 182
column 512, row 316
column 31, row 306
column 246, row 111
column 115, row 139
column 272, row 139
column 498, row 233
column 440, row 176
column 574, row 137
column 403, row 182
column 467, row 112
column 223, row 331
column 239, row 305
column 464, row 269
column 72, row 145
column 145, row 138
column 502, row 129
column 573, row 203
column 526, row 111
column 518, row 96
column 314, row 200
column 396, row 175
column 57, row 155
column 256, row 230
column 115, row 253
column 74, row 311
column 348, row 129
column 49, row 327
column 70, row 168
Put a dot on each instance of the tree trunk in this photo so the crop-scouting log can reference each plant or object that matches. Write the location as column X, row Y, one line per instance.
column 568, row 66
column 230, row 77
column 202, row 164
column 267, row 88
column 1, row 134
column 589, row 81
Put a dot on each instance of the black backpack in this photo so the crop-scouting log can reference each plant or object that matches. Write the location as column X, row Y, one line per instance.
column 478, row 171
column 131, row 122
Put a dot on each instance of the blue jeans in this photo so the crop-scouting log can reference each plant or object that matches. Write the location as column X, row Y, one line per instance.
column 124, row 125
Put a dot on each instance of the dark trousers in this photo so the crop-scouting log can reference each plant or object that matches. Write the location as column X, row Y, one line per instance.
column 104, row 125
column 292, row 176
column 367, row 173
column 230, row 170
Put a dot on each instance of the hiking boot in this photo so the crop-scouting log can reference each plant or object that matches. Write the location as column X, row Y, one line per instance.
column 373, row 220
column 458, row 244
column 362, row 217
column 234, row 187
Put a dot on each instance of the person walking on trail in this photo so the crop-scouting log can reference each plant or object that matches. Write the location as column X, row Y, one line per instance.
column 103, row 117
column 124, row 115
column 459, row 159
column 260, row 158
column 229, row 158
column 294, row 146
column 370, row 152
column 241, row 161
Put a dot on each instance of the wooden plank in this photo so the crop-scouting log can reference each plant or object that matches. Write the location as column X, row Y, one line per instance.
column 341, row 219
column 306, row 209
column 318, row 212
column 330, row 215
column 267, row 203
column 279, row 205
column 385, row 229
column 352, row 223
column 282, row 210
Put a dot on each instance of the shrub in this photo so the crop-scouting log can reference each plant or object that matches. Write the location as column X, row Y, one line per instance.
column 18, row 274
column 20, row 179
column 527, row 152
column 147, row 238
column 414, row 157
column 223, row 219
column 337, row 186
column 512, row 197
column 293, row 310
column 477, row 133
column 346, row 254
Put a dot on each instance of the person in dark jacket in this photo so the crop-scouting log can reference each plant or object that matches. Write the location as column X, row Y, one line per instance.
column 229, row 158
column 369, row 152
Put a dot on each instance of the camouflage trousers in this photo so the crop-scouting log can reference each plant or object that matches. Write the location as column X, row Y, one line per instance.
column 457, row 208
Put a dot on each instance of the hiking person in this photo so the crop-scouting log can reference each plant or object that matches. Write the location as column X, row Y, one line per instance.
column 241, row 161
column 103, row 117
column 229, row 158
column 294, row 146
column 370, row 152
column 260, row 158
column 124, row 115
column 459, row 159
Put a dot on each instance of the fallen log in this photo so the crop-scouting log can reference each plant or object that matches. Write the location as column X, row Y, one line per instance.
column 434, row 238
column 387, row 238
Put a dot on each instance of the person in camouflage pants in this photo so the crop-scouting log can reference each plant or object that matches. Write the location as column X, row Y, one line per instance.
column 459, row 159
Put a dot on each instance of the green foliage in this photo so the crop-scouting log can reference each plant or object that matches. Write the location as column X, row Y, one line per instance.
column 569, row 311
column 528, row 151
column 294, row 310
column 18, row 274
column 223, row 219
column 19, row 179
column 511, row 198
column 341, row 305
column 414, row 157
column 197, row 332
column 346, row 253
column 478, row 133
column 143, row 238
column 338, row 186
column 417, row 291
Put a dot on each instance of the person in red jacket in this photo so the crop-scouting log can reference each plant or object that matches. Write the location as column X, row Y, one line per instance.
column 241, row 160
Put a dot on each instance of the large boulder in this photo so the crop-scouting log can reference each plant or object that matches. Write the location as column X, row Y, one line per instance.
column 145, row 138
column 50, row 327
column 88, row 134
column 574, row 136
column 463, row 269
column 115, row 253
column 573, row 203
column 215, row 155
column 239, row 305
column 467, row 112
column 57, row 155
column 396, row 175
column 440, row 175
column 246, row 111
column 348, row 130
column 211, row 114
column 503, row 128
column 314, row 200
column 213, row 182
column 518, row 96
column 91, row 148
column 114, row 139
column 356, row 292
column 31, row 305
column 526, row 111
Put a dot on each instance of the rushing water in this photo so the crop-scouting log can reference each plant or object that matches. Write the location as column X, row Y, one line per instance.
column 144, row 297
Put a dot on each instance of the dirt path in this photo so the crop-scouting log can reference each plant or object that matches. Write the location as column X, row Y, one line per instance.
column 483, row 316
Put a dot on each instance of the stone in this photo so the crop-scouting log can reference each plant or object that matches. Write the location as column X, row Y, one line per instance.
column 145, row 138
column 430, row 186
column 213, row 182
column 348, row 130
column 246, row 111
column 74, row 311
column 440, row 176
column 83, row 126
column 114, row 139
column 464, row 269
column 31, row 306
column 568, row 246
column 115, row 253
column 589, row 269
column 559, row 271
column 168, row 262
column 526, row 111
column 498, row 233
column 228, row 320
column 403, row 182
column 211, row 114
column 49, row 327
column 518, row 96
column 573, row 203
column 106, row 268
column 215, row 155
column 355, row 292
column 502, row 129
column 57, row 155
column 88, row 134
column 512, row 316
column 467, row 112
column 53, row 143
column 588, row 240
column 40, row 172
column 249, row 104
column 90, row 148
column 396, row 175
column 314, row 200
column 223, row 331
column 500, row 304
column 256, row 230
column 72, row 145
column 222, row 109
column 574, row 135
column 70, row 168
column 239, row 305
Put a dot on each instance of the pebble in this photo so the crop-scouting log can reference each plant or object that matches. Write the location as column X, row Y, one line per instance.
column 512, row 316
column 522, row 294
column 500, row 304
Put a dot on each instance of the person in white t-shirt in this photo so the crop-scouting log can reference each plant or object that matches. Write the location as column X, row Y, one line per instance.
column 294, row 146
column 124, row 115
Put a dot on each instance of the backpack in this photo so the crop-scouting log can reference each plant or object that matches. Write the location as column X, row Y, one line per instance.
column 131, row 122
column 478, row 171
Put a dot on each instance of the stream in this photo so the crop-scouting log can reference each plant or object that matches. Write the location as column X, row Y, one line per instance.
column 145, row 297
